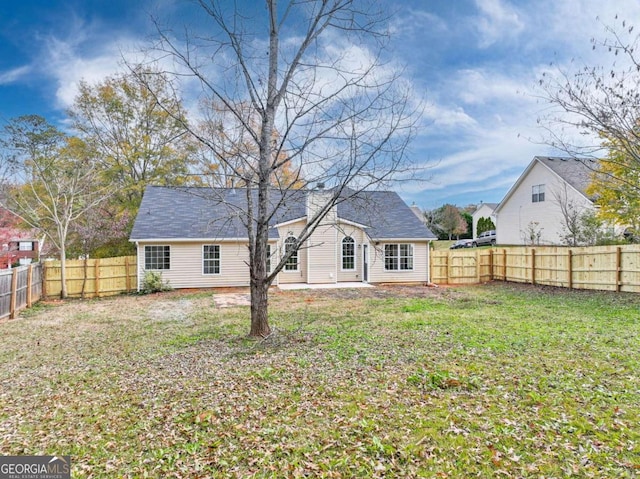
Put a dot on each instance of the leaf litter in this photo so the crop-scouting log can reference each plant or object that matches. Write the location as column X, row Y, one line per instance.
column 383, row 382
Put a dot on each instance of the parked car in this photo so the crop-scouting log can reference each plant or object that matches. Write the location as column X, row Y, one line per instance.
column 463, row 243
column 486, row 238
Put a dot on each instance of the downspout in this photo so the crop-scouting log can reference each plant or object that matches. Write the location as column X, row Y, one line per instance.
column 137, row 267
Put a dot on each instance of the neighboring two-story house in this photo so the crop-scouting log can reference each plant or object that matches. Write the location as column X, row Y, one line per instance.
column 532, row 207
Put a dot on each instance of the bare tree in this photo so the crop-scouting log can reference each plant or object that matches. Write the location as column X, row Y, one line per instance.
column 572, row 212
column 52, row 181
column 595, row 111
column 312, row 75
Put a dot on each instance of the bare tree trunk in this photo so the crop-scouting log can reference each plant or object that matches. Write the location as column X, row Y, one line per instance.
column 259, row 309
column 63, row 272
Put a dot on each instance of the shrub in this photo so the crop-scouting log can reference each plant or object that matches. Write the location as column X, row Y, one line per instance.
column 153, row 283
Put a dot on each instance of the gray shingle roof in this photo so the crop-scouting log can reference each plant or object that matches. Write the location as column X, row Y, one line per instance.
column 219, row 213
column 575, row 171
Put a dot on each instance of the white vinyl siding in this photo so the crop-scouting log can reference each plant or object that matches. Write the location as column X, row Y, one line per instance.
column 321, row 255
column 187, row 266
column 419, row 273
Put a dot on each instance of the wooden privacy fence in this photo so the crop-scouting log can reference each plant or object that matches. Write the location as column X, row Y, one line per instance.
column 19, row 288
column 92, row 278
column 614, row 268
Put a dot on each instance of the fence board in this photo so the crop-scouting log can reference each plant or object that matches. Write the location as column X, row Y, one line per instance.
column 614, row 268
column 19, row 288
column 93, row 277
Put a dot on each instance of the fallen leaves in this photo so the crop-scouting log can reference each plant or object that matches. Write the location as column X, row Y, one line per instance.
column 406, row 382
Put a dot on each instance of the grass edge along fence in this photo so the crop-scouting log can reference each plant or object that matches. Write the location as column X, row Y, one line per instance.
column 91, row 278
column 19, row 288
column 609, row 268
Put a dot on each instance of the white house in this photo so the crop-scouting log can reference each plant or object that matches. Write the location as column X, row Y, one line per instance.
column 484, row 210
column 531, row 211
column 197, row 238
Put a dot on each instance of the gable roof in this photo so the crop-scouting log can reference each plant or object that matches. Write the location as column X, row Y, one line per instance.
column 576, row 172
column 491, row 206
column 219, row 213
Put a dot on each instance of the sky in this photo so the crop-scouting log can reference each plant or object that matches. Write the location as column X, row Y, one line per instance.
column 474, row 63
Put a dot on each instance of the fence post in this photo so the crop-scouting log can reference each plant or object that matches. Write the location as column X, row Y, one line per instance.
column 504, row 264
column 446, row 268
column 491, row 265
column 14, row 293
column 569, row 269
column 44, row 279
column 127, row 279
column 478, row 266
column 29, row 281
column 618, row 269
column 533, row 266
column 97, row 274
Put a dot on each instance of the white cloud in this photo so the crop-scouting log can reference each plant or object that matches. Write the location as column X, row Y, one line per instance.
column 67, row 66
column 14, row 75
column 498, row 20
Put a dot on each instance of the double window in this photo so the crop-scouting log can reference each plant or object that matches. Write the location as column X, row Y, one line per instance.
column 348, row 254
column 211, row 259
column 537, row 193
column 157, row 257
column 26, row 246
column 398, row 257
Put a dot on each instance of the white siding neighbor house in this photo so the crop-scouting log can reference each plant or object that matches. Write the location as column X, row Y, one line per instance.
column 196, row 238
column 484, row 210
column 532, row 207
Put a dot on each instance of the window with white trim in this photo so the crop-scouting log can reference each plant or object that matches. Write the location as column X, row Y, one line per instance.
column 25, row 246
column 157, row 257
column 292, row 262
column 398, row 257
column 537, row 193
column 348, row 254
column 211, row 259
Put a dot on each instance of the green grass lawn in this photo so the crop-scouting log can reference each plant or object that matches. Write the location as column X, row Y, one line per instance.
column 490, row 381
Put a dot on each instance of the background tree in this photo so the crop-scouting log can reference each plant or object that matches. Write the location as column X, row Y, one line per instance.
column 614, row 189
column 450, row 222
column 595, row 112
column 485, row 224
column 139, row 142
column 54, row 180
column 234, row 160
column 312, row 72
column 468, row 219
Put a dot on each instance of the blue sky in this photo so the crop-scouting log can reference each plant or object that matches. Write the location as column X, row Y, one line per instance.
column 475, row 62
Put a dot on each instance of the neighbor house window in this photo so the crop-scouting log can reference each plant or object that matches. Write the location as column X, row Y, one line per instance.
column 537, row 193
column 348, row 254
column 211, row 259
column 398, row 257
column 292, row 262
column 157, row 257
column 25, row 246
